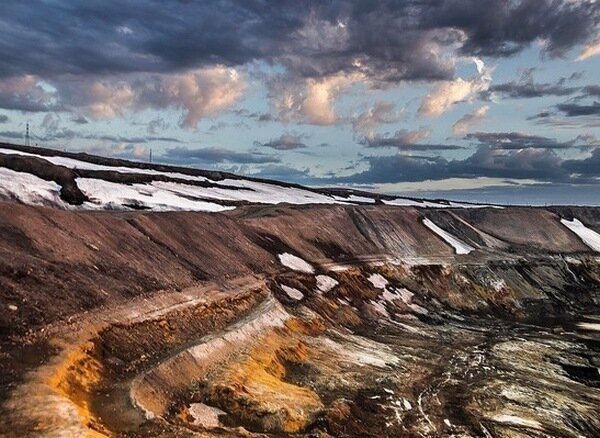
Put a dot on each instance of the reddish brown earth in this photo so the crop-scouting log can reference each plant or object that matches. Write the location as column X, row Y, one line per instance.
column 97, row 303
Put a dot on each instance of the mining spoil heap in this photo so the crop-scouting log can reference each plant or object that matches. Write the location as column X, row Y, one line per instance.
column 276, row 310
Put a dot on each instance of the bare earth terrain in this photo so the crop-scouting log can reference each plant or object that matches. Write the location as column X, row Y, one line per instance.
column 342, row 315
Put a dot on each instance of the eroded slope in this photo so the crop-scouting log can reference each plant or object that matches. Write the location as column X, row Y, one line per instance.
column 315, row 320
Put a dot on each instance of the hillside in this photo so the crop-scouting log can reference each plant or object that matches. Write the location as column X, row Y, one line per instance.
column 280, row 310
column 48, row 177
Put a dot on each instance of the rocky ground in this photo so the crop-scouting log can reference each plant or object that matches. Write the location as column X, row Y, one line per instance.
column 330, row 320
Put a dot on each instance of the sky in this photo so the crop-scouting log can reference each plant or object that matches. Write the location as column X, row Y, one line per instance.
column 480, row 100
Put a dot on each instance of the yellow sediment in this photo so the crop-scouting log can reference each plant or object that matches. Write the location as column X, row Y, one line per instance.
column 74, row 378
column 254, row 388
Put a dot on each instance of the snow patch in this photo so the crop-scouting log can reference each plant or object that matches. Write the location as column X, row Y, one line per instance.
column 338, row 268
column 360, row 351
column 355, row 198
column 325, row 283
column 292, row 292
column 378, row 281
column 205, row 415
column 295, row 263
column 184, row 196
column 29, row 189
column 380, row 308
column 391, row 294
column 515, row 420
column 498, row 284
column 589, row 237
column 250, row 191
column 106, row 194
column 405, row 294
column 592, row 326
column 405, row 202
column 459, row 246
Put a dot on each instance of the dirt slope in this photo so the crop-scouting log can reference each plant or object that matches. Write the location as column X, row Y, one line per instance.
column 56, row 263
column 94, row 301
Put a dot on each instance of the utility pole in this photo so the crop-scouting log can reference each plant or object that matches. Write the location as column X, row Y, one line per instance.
column 150, row 156
column 27, row 140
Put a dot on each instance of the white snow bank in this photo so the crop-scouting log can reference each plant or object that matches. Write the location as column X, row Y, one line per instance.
column 355, row 198
column 390, row 295
column 589, row 237
column 295, row 263
column 266, row 193
column 404, row 202
column 244, row 190
column 378, row 281
column 205, row 415
column 29, row 189
column 360, row 351
column 114, row 195
column 459, row 246
column 379, row 307
column 292, row 292
column 515, row 420
column 589, row 326
column 325, row 283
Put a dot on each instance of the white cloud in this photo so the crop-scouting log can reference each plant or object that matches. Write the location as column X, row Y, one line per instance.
column 590, row 50
column 121, row 150
column 464, row 124
column 401, row 139
column 379, row 113
column 413, row 137
column 198, row 94
column 107, row 100
column 311, row 100
column 447, row 93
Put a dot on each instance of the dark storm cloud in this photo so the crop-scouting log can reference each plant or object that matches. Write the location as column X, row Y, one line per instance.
column 406, row 141
column 502, row 28
column 3, row 118
column 120, row 139
column 576, row 110
column 69, row 134
column 391, row 39
column 541, row 115
column 528, row 163
column 13, row 135
column 592, row 91
column 285, row 173
column 517, row 194
column 258, row 116
column 526, row 87
column 33, row 101
column 517, row 140
column 182, row 155
column 285, row 142
column 589, row 166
